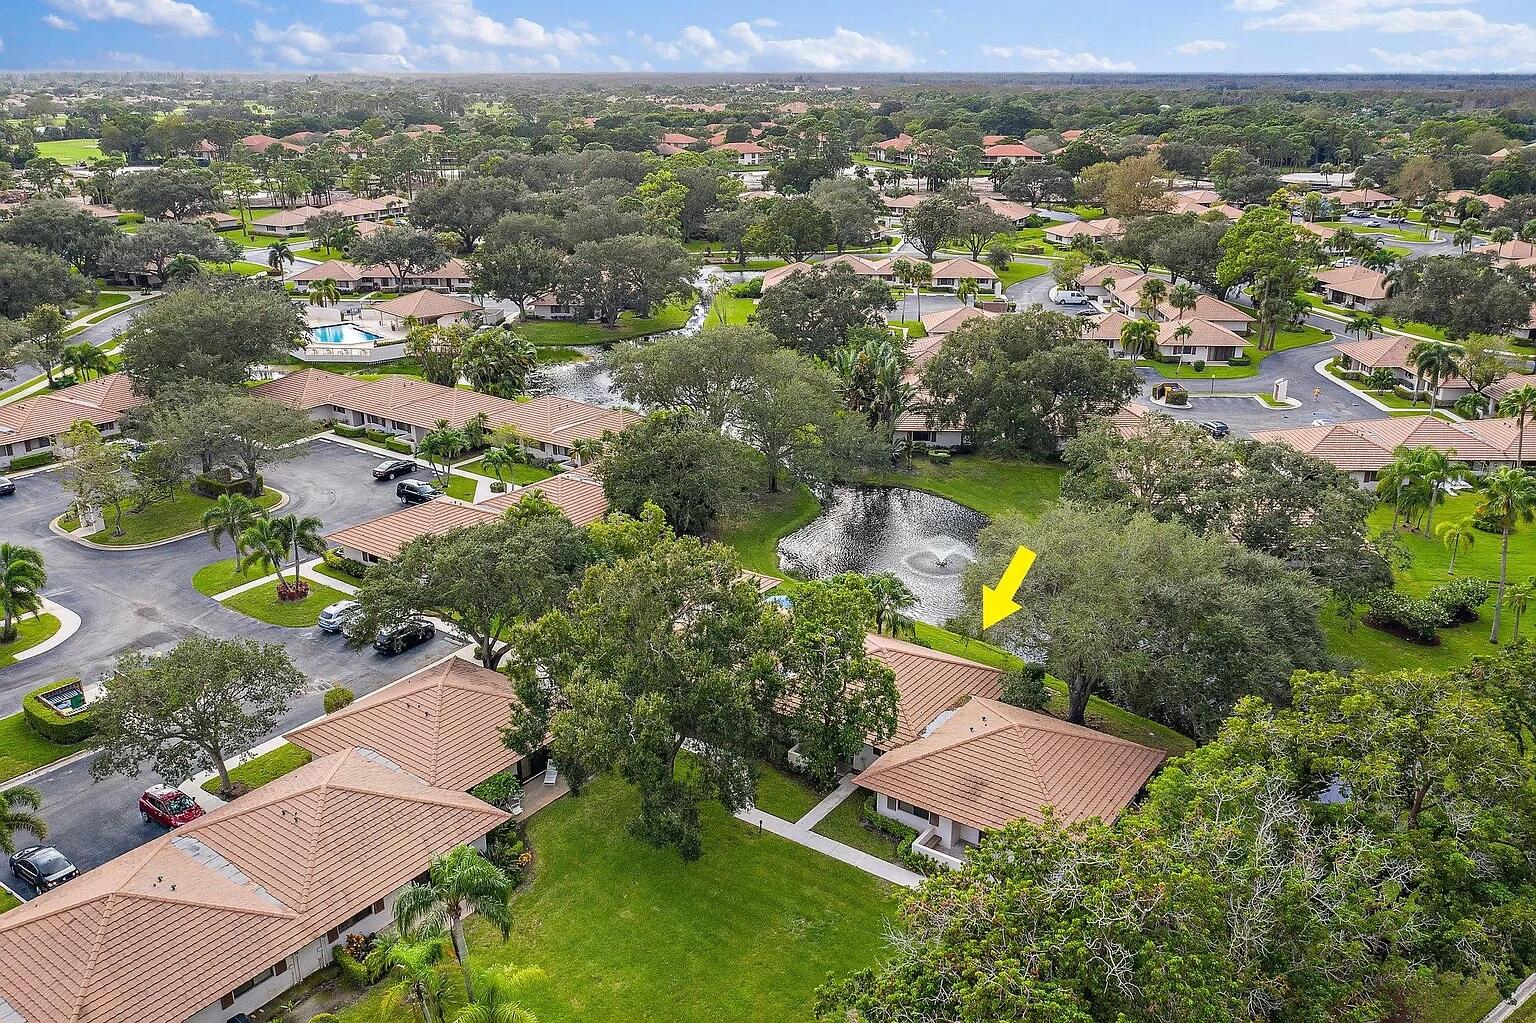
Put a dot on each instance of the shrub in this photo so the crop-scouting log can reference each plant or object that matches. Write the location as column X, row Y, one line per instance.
column 507, row 850
column 350, row 969
column 500, row 789
column 1180, row 398
column 1416, row 619
column 749, row 289
column 1486, row 523
column 49, row 723
column 350, row 432
column 325, row 1017
column 338, row 697
column 130, row 218
column 214, row 484
column 1026, row 687
column 399, row 446
column 1239, row 360
column 346, row 566
column 32, row 461
column 1198, row 365
column 377, row 436
column 903, row 835
column 1032, row 249
column 498, row 487
column 936, row 455
column 1460, row 598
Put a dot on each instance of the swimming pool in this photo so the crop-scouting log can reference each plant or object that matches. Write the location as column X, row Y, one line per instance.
column 342, row 334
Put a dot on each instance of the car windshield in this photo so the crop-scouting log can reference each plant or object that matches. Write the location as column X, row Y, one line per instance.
column 49, row 861
column 179, row 803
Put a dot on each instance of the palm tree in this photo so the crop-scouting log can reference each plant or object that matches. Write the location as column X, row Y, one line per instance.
column 1136, row 336
column 231, row 515
column 501, row 462
column 491, row 995
column 279, row 255
column 324, row 293
column 22, row 579
column 1183, row 332
column 966, row 289
column 1151, row 295
column 1464, row 237
column 182, row 266
column 1436, row 359
column 1500, row 235
column 18, row 812
column 1401, row 481
column 458, row 883
column 1437, row 468
column 1520, row 402
column 891, row 598
column 263, row 545
column 1363, row 325
column 1519, row 599
column 1455, row 535
column 588, row 449
column 1183, row 297
column 83, row 359
column 919, row 274
column 440, row 447
column 1509, row 499
column 300, row 534
column 416, row 963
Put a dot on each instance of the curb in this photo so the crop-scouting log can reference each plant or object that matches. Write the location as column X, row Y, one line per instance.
column 1322, row 370
column 69, row 624
column 54, row 527
column 46, row 769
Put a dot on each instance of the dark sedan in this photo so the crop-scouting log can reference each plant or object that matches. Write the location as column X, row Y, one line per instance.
column 43, row 867
column 415, row 492
column 401, row 636
column 7, row 486
column 392, row 468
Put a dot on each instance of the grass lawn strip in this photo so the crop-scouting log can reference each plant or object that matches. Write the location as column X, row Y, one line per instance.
column 747, row 932
column 261, row 603
column 520, row 474
column 221, row 577
column 23, row 750
column 269, row 766
column 71, row 151
column 773, row 516
column 554, row 332
column 989, row 485
column 29, row 633
column 782, row 794
column 7, row 900
column 165, row 519
column 845, row 824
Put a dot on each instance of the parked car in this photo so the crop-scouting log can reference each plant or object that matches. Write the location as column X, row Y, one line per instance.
column 167, row 806
column 338, row 615
column 130, row 448
column 415, row 492
column 1320, row 421
column 1216, row 428
column 1068, row 296
column 43, row 867
column 7, row 486
column 392, row 468
column 398, row 638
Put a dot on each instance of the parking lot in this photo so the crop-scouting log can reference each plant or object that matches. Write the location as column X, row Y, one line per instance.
column 144, row 600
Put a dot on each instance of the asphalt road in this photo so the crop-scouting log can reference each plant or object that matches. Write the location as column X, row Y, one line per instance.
column 144, row 600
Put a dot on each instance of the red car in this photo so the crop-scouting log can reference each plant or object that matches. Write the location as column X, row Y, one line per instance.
column 167, row 806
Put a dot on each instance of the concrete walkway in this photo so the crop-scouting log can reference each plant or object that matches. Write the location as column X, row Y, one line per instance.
column 845, row 788
column 69, row 624
column 1506, row 1009
column 802, row 835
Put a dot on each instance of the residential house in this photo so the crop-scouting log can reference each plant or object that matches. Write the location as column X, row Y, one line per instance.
column 892, row 150
column 1212, row 310
column 1196, row 340
column 1363, row 449
column 33, row 425
column 776, row 274
column 1363, row 356
column 948, row 273
column 550, row 306
column 1354, row 287
column 1097, row 230
column 285, row 223
column 453, row 275
column 1514, row 252
column 748, row 154
column 429, row 307
column 1017, row 212
column 1106, row 328
column 986, row 764
column 938, row 324
column 1002, row 154
column 1360, row 199
column 224, row 914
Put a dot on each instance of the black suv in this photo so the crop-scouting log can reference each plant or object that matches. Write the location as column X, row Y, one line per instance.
column 43, row 867
column 391, row 468
column 397, row 638
column 415, row 492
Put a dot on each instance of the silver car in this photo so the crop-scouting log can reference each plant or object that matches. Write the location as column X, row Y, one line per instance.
column 336, row 617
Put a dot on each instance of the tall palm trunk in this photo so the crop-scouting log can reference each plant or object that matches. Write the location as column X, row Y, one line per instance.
column 1498, row 606
column 1451, row 568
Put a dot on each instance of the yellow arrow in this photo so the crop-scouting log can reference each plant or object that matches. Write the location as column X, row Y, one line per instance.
column 998, row 603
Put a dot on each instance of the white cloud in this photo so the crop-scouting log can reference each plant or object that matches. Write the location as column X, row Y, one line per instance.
column 62, row 24
column 171, row 15
column 370, row 8
column 1198, row 46
column 742, row 45
column 462, row 20
column 1036, row 58
column 1465, row 39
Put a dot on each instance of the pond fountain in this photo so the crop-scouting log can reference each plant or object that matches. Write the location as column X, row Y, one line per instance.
column 924, row 540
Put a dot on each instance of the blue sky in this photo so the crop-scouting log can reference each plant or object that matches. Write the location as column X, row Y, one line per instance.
column 788, row 35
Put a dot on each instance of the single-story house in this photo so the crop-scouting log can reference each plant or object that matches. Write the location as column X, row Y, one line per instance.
column 1212, row 310
column 285, row 223
column 1391, row 351
column 1354, row 287
column 1106, row 328
column 1203, row 196
column 443, row 724
column 1132, row 419
column 1491, row 203
column 1514, row 381
column 982, row 766
column 677, row 138
column 1363, row 449
column 1098, row 281
column 918, row 425
column 1206, row 341
column 776, row 274
column 1017, row 212
column 929, row 684
column 1360, row 198
column 748, row 154
column 550, row 306
column 453, row 275
column 941, row 323
column 1514, row 251
column 33, row 425
column 1001, row 154
column 224, row 914
column 410, row 406
column 948, row 273
column 429, row 307
column 1098, row 230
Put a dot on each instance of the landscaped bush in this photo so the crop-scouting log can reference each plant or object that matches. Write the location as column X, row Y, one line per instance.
column 50, row 724
column 1198, row 365
column 351, row 970
column 350, row 432
column 749, row 289
column 506, row 849
column 402, row 447
column 338, row 697
column 32, row 461
column 500, row 789
column 938, row 456
column 1026, row 687
column 1239, row 360
column 377, row 436
column 498, row 487
column 346, row 566
column 215, row 483
column 325, row 1017
column 903, row 835
column 1416, row 620
column 1032, row 249
column 1460, row 598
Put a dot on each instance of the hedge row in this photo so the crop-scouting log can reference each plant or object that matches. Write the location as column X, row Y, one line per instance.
column 50, row 724
column 32, row 461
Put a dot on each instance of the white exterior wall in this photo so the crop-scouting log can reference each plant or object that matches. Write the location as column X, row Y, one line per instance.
column 886, row 807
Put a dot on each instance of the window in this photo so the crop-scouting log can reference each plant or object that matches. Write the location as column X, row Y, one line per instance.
column 915, row 811
column 277, row 968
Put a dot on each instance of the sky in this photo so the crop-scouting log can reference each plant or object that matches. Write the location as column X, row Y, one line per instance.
column 787, row 35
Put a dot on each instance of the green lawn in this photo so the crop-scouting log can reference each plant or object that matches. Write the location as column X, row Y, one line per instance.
column 1421, row 235
column 1019, row 271
column 239, row 266
column 71, row 151
column 845, row 824
column 460, row 488
column 221, row 576
column 520, row 473
column 756, row 534
column 1456, row 1002
column 1380, row 651
column 247, row 239
column 321, row 253
column 181, row 515
column 1418, row 329
column 261, row 603
column 257, row 771
column 782, row 794
column 29, row 633
column 104, row 300
column 7, row 900
column 730, row 310
column 23, row 750
column 623, row 931
column 556, row 332
column 989, row 485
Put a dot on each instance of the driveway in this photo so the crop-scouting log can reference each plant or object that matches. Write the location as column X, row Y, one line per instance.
column 144, row 600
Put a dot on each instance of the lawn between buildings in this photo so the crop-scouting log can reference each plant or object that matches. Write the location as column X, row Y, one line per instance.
column 746, row 932
column 558, row 332
column 259, row 770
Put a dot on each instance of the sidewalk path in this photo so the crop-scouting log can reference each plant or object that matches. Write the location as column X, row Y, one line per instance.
column 1506, row 1009
column 845, row 788
column 69, row 624
column 801, row 835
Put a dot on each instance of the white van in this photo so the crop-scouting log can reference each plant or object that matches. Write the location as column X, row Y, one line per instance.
column 1066, row 296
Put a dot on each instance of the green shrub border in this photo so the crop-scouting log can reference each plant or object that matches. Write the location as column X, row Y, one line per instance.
column 32, row 461
column 50, row 724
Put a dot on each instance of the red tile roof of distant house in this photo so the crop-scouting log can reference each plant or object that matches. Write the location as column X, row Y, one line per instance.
column 929, row 682
column 101, row 401
column 1357, row 281
column 1011, row 149
column 677, row 138
column 1369, row 446
column 740, row 147
column 578, row 495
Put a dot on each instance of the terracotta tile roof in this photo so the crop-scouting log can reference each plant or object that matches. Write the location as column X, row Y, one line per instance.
column 578, row 495
column 1512, row 382
column 1106, row 328
column 991, row 764
column 426, row 305
column 1012, row 149
column 959, row 268
column 1132, row 419
column 1095, row 274
column 1208, row 307
column 307, row 389
column 1007, row 207
column 930, row 682
column 1359, row 281
column 1510, row 250
column 169, row 928
column 1202, row 332
column 937, row 324
column 101, row 401
column 1368, row 446
column 677, row 138
column 1385, row 350
column 739, row 147
column 776, row 274
column 443, row 724
column 383, row 537
column 332, row 269
column 1203, row 196
column 296, row 217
